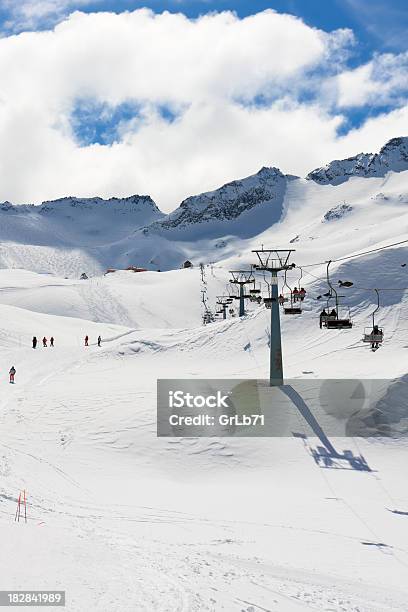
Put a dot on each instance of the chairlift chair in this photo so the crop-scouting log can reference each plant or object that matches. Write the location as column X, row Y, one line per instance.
column 268, row 299
column 370, row 336
column 331, row 321
column 253, row 294
column 290, row 310
column 374, row 334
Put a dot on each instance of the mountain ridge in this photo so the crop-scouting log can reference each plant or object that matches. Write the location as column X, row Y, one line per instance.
column 71, row 235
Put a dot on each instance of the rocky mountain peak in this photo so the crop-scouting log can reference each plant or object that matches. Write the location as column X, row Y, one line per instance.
column 393, row 156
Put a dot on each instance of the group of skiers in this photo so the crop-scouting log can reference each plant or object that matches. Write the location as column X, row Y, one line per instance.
column 298, row 295
column 12, row 371
column 45, row 341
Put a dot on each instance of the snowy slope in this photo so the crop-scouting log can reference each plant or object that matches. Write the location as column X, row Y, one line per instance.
column 70, row 235
column 74, row 235
column 125, row 521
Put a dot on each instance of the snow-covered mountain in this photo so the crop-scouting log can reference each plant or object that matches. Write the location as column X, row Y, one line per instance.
column 240, row 208
column 74, row 235
column 392, row 157
column 76, row 221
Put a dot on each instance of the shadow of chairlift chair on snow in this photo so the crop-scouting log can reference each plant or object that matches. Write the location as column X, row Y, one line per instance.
column 325, row 456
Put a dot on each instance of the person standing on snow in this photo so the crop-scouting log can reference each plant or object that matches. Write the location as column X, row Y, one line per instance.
column 52, row 341
column 86, row 341
column 44, row 341
column 99, row 341
column 12, row 373
column 34, row 342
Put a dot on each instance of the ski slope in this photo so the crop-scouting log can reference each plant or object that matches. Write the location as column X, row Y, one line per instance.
column 125, row 521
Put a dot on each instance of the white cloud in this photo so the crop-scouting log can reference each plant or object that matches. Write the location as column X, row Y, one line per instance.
column 379, row 82
column 203, row 69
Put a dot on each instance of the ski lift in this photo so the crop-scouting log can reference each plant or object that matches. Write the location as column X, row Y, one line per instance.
column 291, row 310
column 254, row 294
column 301, row 290
column 332, row 320
column 268, row 299
column 374, row 334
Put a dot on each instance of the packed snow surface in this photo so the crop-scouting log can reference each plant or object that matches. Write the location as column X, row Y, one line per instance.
column 124, row 521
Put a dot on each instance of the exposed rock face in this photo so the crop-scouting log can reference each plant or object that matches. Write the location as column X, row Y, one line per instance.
column 337, row 212
column 229, row 201
column 392, row 156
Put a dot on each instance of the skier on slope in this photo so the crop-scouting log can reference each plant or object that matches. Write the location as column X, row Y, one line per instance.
column 86, row 341
column 99, row 341
column 52, row 341
column 45, row 341
column 34, row 342
column 12, row 373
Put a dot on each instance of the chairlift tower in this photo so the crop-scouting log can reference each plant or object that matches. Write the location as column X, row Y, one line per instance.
column 242, row 278
column 274, row 261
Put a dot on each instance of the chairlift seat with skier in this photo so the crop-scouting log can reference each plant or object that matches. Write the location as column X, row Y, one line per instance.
column 294, row 298
column 332, row 320
column 370, row 336
column 374, row 334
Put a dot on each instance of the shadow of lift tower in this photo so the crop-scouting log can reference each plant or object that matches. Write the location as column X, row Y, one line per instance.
column 274, row 261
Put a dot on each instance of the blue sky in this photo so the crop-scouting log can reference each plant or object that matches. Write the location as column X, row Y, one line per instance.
column 378, row 24
column 116, row 100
